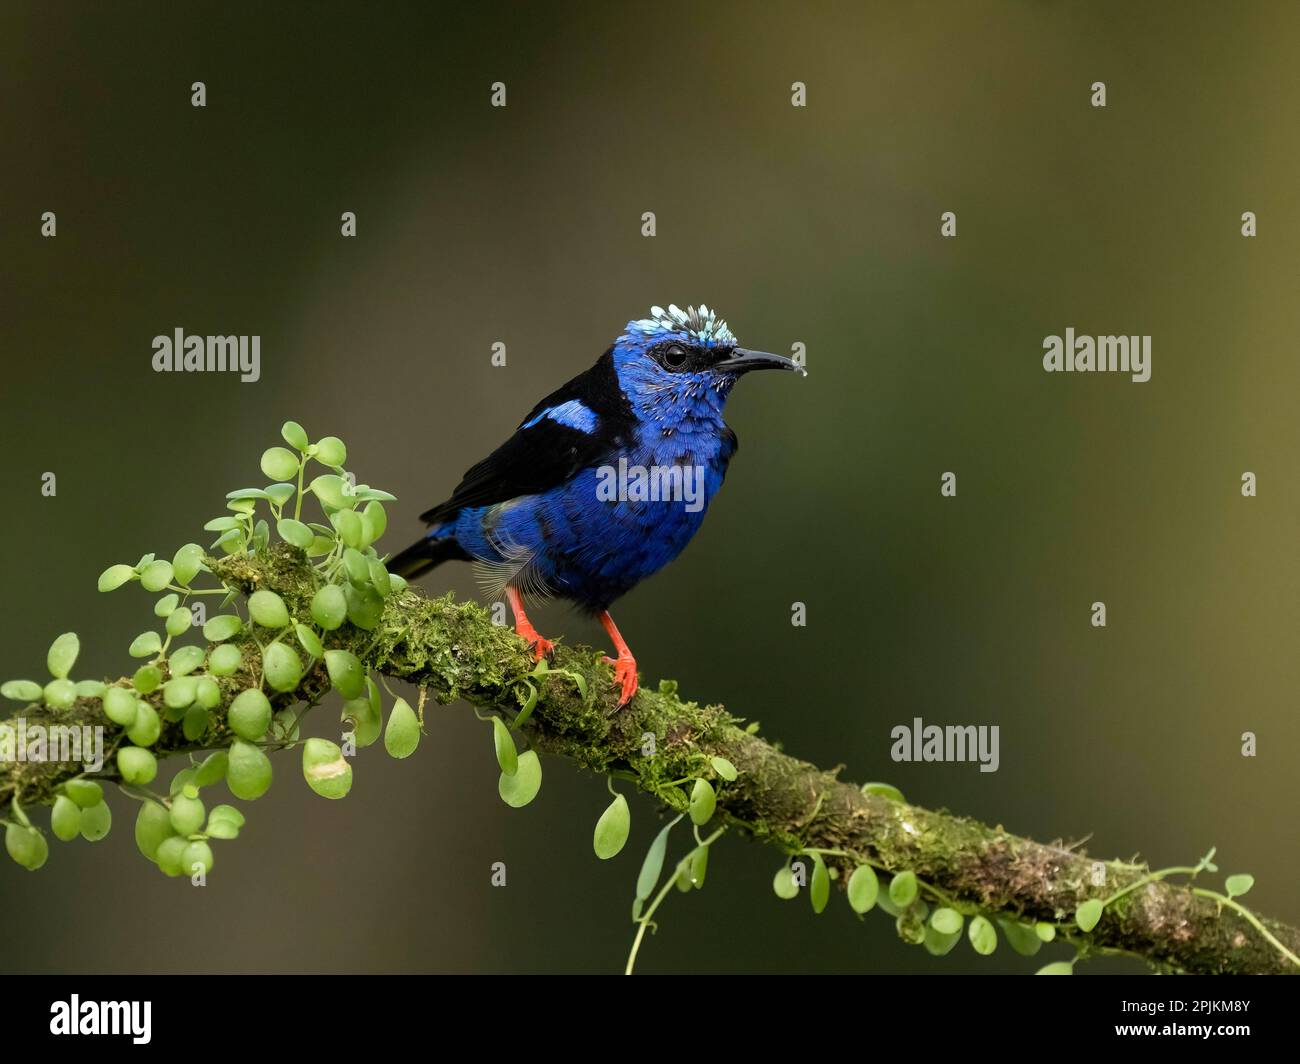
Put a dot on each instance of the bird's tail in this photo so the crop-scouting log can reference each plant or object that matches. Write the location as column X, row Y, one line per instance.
column 425, row 554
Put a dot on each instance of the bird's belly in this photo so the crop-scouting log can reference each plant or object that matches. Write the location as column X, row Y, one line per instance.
column 596, row 537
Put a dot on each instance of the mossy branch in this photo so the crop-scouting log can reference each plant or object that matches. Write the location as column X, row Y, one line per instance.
column 452, row 650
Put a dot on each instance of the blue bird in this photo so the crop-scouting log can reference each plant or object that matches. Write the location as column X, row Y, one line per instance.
column 605, row 481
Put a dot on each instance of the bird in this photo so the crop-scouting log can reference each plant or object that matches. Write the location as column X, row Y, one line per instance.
column 604, row 481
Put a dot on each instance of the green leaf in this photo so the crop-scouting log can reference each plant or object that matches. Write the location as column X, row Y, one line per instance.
column 26, row 846
column 1057, row 968
column 530, row 703
column 946, row 921
column 249, row 716
column 402, row 733
column 280, row 493
column 521, row 788
column 863, row 889
column 115, row 576
column 60, row 694
column 703, row 802
column 178, row 622
column 222, row 627
column 612, row 828
column 504, row 744
column 884, row 790
column 653, row 864
column 329, row 607
column 91, row 688
column 279, row 463
column 1239, row 884
column 331, row 490
column 330, row 451
column 309, row 641
column 1045, row 931
column 185, row 660
column 783, row 884
column 84, row 792
column 225, row 660
column 222, row 524
column 145, row 645
column 248, row 773
column 346, row 672
column 903, row 889
column 22, row 690
column 983, row 936
column 186, row 563
column 268, row 609
column 65, row 819
column 211, row 771
column 374, row 521
column 156, row 575
column 295, row 532
column 348, row 523
column 365, row 606
column 1022, row 938
column 294, row 435
column 281, row 667
column 1087, row 915
column 166, row 605
column 723, row 768
column 63, row 655
column 819, row 890
column 325, row 769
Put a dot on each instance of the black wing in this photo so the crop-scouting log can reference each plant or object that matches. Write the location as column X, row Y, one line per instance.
column 548, row 453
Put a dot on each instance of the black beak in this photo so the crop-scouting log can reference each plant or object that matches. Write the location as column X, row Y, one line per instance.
column 742, row 361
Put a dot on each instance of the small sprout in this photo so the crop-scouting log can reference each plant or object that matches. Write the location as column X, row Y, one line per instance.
column 521, row 788
column 863, row 889
column 325, row 769
column 612, row 828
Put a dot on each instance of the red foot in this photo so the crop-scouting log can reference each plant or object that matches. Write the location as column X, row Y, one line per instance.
column 542, row 647
column 624, row 676
column 624, row 664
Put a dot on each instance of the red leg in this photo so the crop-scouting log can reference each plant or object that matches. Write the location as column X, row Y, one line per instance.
column 624, row 664
column 523, row 627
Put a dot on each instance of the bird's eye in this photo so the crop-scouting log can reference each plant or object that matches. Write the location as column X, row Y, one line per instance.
column 675, row 356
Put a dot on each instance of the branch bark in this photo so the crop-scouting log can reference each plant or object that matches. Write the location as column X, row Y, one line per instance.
column 453, row 651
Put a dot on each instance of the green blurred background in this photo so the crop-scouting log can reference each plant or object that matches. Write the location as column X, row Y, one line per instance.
column 817, row 225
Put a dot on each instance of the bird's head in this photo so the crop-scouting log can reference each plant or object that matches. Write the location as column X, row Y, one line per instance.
column 685, row 357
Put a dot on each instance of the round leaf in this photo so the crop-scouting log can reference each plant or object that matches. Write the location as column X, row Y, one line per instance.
column 521, row 788
column 612, row 829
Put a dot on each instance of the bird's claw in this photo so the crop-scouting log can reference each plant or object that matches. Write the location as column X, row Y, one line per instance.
column 624, row 676
column 541, row 647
